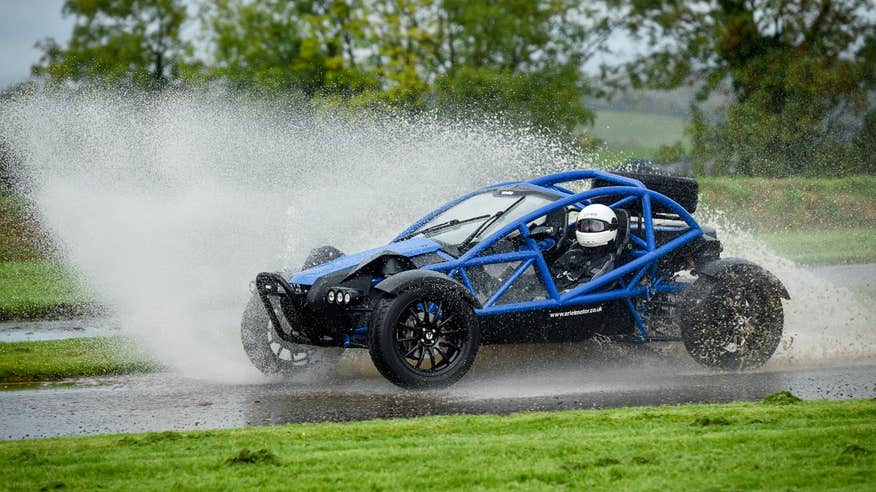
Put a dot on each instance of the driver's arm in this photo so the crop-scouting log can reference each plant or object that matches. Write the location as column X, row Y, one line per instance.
column 600, row 267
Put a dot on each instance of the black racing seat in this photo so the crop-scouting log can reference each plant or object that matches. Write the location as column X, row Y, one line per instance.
column 565, row 240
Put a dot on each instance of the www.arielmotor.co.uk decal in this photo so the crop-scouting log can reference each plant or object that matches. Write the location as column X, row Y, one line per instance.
column 577, row 312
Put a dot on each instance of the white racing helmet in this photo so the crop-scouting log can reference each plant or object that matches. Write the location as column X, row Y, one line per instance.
column 596, row 226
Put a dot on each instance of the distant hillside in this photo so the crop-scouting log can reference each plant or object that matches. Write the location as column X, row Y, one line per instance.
column 629, row 130
column 675, row 102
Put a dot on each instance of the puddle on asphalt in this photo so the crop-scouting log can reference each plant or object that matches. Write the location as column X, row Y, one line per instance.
column 38, row 385
column 108, row 381
column 28, row 331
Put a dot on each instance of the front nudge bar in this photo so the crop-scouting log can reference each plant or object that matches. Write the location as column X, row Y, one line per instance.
column 274, row 285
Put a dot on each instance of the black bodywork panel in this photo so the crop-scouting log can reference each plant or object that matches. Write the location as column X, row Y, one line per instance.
column 566, row 324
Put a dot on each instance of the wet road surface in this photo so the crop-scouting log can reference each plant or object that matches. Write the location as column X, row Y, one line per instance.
column 504, row 380
column 610, row 377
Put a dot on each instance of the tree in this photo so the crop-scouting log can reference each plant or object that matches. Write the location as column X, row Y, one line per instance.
column 277, row 46
column 521, row 57
column 797, row 71
column 119, row 41
column 865, row 143
column 518, row 57
column 411, row 54
column 549, row 98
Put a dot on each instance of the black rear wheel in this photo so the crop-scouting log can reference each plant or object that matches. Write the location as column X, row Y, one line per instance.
column 733, row 321
column 427, row 336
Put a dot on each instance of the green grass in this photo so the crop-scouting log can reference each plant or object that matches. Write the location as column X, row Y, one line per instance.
column 624, row 130
column 826, row 247
column 779, row 445
column 39, row 288
column 74, row 357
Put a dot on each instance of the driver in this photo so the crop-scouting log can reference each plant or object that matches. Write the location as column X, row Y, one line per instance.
column 594, row 252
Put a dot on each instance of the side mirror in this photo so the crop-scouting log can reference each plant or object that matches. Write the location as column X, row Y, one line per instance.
column 541, row 232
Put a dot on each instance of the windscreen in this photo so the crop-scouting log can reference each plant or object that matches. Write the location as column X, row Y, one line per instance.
column 463, row 221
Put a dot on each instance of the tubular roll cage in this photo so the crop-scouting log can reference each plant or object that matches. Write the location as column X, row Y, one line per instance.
column 636, row 278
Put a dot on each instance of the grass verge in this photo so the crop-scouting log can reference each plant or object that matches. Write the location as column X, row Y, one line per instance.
column 72, row 357
column 31, row 289
column 783, row 444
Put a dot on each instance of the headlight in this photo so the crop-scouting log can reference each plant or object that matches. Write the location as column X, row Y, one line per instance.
column 342, row 295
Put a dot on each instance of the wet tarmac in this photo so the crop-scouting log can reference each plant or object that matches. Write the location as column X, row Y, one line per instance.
column 610, row 377
column 503, row 380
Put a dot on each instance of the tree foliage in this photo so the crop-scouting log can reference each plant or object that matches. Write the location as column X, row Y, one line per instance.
column 520, row 57
column 798, row 72
column 865, row 143
column 548, row 98
column 277, row 46
column 119, row 41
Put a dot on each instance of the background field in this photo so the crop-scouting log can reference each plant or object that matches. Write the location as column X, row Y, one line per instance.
column 809, row 220
column 635, row 130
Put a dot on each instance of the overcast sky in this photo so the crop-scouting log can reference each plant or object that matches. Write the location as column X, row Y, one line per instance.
column 23, row 23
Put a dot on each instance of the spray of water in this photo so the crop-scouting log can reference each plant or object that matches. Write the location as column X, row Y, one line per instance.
column 825, row 322
column 168, row 206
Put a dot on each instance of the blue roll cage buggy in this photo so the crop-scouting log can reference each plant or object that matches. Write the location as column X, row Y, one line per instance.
column 362, row 300
column 645, row 252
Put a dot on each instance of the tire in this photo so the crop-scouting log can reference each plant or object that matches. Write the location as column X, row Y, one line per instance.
column 684, row 191
column 733, row 321
column 321, row 255
column 274, row 356
column 425, row 337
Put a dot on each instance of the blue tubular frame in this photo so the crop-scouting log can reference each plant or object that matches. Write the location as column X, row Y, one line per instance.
column 642, row 268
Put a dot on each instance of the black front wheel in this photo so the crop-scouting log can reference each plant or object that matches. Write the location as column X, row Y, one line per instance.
column 425, row 337
column 271, row 354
